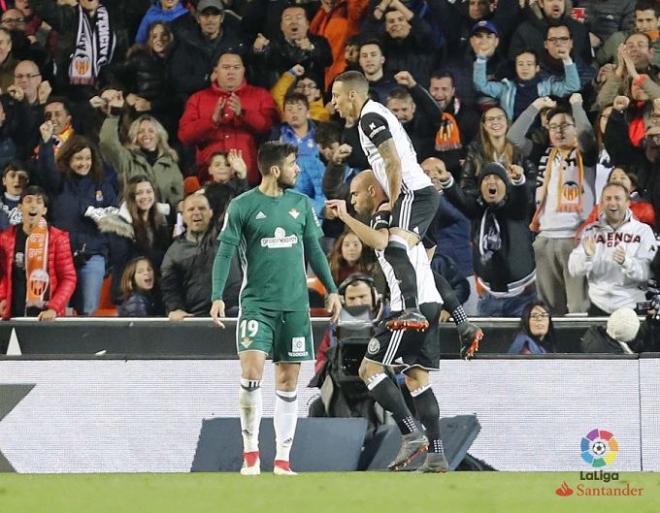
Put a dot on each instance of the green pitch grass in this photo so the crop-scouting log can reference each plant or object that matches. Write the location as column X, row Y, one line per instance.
column 359, row 492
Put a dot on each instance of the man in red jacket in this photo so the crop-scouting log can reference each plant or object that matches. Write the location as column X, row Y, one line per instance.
column 229, row 115
column 37, row 276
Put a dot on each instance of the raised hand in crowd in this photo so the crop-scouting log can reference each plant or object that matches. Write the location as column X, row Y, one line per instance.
column 589, row 245
column 304, row 44
column 515, row 172
column 138, row 103
column 405, row 79
column 620, row 254
column 235, row 160
column 379, row 10
column 46, row 129
column 113, row 98
column 327, row 5
column 544, row 102
column 260, row 43
column 218, row 111
column 341, row 153
column 621, row 103
column 656, row 106
column 621, row 54
column 605, row 72
column 443, row 174
column 16, row 93
column 234, row 103
column 298, row 70
column 43, row 92
column 575, row 99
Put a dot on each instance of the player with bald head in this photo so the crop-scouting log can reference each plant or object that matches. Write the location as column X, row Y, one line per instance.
column 413, row 352
column 413, row 200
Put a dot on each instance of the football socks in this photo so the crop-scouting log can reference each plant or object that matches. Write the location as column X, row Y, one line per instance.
column 285, row 420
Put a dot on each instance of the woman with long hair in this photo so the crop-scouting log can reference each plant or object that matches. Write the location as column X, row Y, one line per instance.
column 537, row 334
column 139, row 227
column 76, row 182
column 147, row 152
column 349, row 256
column 491, row 145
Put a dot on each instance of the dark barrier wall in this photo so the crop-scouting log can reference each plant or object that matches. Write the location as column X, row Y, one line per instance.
column 201, row 337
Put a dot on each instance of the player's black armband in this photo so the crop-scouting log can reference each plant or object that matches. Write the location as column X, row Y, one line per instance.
column 381, row 220
column 375, row 127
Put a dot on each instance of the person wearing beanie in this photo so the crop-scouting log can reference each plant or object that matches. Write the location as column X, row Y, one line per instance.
column 614, row 254
column 619, row 336
column 501, row 240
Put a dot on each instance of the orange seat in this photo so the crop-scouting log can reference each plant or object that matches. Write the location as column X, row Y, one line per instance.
column 106, row 306
column 317, row 293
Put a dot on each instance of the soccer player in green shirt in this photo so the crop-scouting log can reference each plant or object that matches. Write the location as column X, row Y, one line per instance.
column 273, row 228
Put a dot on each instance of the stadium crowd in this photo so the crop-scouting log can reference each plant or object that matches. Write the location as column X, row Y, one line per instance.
column 130, row 126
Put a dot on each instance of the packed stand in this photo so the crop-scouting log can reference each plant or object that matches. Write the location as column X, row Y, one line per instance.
column 130, row 126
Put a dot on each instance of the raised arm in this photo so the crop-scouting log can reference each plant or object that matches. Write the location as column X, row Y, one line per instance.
column 518, row 130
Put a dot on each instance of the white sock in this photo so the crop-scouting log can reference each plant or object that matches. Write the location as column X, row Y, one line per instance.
column 285, row 420
column 251, row 406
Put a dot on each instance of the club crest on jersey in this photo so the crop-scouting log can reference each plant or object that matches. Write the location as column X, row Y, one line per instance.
column 294, row 213
column 280, row 240
column 374, row 346
column 246, row 341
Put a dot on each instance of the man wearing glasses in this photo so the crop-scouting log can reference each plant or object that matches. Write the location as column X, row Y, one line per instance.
column 558, row 45
column 564, row 197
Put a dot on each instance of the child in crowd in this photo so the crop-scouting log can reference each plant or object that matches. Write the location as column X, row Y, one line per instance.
column 138, row 287
column 229, row 168
column 296, row 81
column 15, row 179
column 516, row 95
column 297, row 129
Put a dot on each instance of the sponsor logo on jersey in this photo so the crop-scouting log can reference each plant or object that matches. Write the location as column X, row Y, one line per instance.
column 260, row 215
column 280, row 240
column 294, row 213
column 374, row 346
column 298, row 347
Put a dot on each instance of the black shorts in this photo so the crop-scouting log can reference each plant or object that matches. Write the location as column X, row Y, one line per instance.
column 414, row 210
column 407, row 348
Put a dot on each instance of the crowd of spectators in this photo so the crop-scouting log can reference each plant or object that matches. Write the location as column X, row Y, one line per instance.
column 137, row 122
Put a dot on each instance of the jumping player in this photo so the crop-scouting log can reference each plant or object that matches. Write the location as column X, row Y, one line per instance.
column 413, row 199
column 273, row 229
column 414, row 352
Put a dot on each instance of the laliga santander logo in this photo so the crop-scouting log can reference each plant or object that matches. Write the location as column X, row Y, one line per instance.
column 599, row 448
column 564, row 490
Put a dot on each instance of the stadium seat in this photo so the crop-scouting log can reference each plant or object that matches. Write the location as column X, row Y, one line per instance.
column 317, row 295
column 106, row 306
